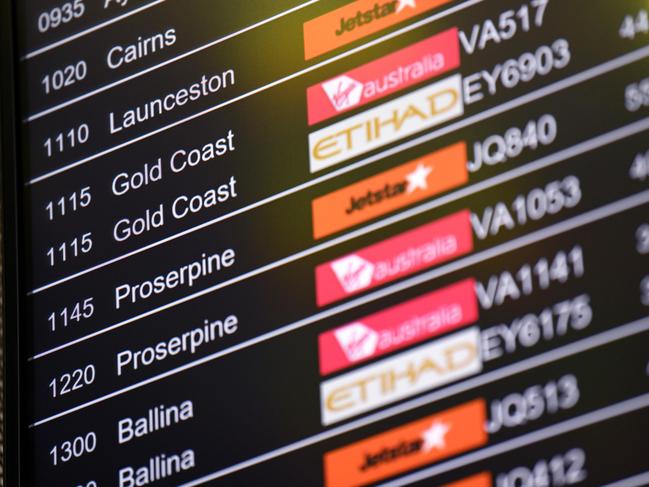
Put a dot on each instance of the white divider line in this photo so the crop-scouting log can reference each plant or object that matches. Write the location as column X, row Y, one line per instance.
column 97, row 27
column 184, row 55
column 635, row 481
column 541, row 163
column 588, row 419
column 596, row 142
column 494, row 252
column 503, row 373
column 139, row 138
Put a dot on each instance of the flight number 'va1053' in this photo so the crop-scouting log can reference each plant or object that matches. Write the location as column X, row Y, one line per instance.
column 538, row 203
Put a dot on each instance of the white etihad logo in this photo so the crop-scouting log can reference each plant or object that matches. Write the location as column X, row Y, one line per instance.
column 384, row 124
column 406, row 3
column 357, row 341
column 353, row 272
column 343, row 92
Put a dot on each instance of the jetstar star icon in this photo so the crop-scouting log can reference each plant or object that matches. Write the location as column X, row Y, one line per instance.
column 357, row 341
column 406, row 3
column 343, row 92
column 418, row 179
column 435, row 436
column 353, row 272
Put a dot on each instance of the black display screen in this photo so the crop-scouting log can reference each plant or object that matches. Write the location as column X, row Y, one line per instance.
column 328, row 243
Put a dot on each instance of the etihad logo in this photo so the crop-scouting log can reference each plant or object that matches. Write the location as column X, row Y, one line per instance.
column 396, row 257
column 420, row 369
column 387, row 123
column 408, row 447
column 390, row 190
column 357, row 20
column 398, row 327
column 375, row 80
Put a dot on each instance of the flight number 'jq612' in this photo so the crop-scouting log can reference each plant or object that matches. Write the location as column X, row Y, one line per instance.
column 559, row 471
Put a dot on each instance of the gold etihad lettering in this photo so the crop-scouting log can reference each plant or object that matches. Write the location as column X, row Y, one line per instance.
column 453, row 358
column 344, row 140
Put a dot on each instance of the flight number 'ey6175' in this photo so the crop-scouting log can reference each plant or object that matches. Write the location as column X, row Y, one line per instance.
column 571, row 315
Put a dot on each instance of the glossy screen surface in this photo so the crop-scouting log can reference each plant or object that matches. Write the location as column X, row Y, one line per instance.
column 333, row 243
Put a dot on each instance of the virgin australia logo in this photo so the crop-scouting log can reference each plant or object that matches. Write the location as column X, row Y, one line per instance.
column 357, row 341
column 353, row 272
column 343, row 92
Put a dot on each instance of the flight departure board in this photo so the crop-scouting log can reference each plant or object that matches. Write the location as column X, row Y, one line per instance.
column 327, row 243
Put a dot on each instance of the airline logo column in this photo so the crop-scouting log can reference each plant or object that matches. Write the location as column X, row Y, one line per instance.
column 357, row 20
column 394, row 258
column 407, row 447
column 398, row 327
column 390, row 190
column 409, row 373
column 399, row 70
column 481, row 480
column 407, row 115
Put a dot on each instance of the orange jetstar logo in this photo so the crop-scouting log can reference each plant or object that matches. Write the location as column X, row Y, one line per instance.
column 407, row 447
column 480, row 480
column 390, row 190
column 357, row 20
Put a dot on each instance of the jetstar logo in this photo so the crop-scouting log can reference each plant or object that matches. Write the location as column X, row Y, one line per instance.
column 420, row 369
column 390, row 190
column 394, row 120
column 375, row 80
column 407, row 447
column 394, row 258
column 357, row 20
column 481, row 480
column 379, row 11
column 398, row 327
